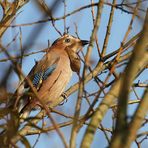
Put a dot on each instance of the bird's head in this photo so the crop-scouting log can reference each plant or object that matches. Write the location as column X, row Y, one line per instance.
column 70, row 42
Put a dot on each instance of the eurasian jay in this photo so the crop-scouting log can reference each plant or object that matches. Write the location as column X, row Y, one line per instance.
column 52, row 73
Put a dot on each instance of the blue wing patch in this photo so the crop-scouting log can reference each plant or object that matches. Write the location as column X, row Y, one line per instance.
column 49, row 71
column 38, row 77
column 43, row 75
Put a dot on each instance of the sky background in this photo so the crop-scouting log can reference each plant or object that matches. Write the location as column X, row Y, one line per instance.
column 31, row 13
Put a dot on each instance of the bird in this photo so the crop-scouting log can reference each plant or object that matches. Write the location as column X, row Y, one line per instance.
column 51, row 74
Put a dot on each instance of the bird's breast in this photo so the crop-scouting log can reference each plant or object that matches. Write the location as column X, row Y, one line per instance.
column 55, row 84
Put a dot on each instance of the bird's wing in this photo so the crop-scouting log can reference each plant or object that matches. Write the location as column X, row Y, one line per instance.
column 42, row 75
column 42, row 70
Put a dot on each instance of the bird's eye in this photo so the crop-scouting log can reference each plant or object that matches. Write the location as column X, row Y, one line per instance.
column 67, row 40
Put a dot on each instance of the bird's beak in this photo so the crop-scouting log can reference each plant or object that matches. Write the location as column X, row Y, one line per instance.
column 84, row 42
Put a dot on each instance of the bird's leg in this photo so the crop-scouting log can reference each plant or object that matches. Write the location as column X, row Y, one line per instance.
column 64, row 95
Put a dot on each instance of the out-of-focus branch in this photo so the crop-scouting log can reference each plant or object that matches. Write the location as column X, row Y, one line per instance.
column 101, row 110
column 121, row 115
column 99, row 114
column 9, row 11
column 113, row 94
column 139, row 58
column 137, row 119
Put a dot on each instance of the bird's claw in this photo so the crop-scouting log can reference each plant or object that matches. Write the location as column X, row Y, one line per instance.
column 64, row 95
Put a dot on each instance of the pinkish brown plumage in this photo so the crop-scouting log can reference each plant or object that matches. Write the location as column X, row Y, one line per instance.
column 52, row 73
